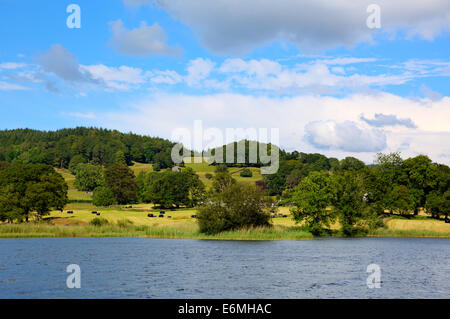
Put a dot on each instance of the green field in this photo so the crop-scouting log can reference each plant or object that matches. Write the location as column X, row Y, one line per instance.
column 135, row 222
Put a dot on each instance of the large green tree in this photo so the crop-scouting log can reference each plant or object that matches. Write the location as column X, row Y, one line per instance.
column 120, row 179
column 88, row 177
column 25, row 188
column 311, row 198
column 237, row 206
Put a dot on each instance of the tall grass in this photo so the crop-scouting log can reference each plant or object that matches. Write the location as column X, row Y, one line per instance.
column 126, row 229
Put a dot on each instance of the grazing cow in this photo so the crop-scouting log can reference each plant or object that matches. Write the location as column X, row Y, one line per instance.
column 98, row 214
column 169, row 216
column 447, row 220
column 161, row 215
column 94, row 212
column 284, row 215
column 150, row 215
column 69, row 212
column 194, row 216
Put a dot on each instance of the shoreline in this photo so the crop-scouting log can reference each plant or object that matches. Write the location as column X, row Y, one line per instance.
column 46, row 231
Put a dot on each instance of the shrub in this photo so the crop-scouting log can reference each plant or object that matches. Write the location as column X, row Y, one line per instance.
column 102, row 196
column 99, row 221
column 246, row 172
column 221, row 168
column 236, row 206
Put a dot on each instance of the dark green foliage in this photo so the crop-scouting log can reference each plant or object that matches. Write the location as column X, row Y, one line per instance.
column 246, row 172
column 96, row 146
column 236, row 206
column 312, row 197
column 26, row 188
column 221, row 181
column 349, row 202
column 208, row 176
column 99, row 221
column 401, row 200
column 351, row 164
column 103, row 196
column 88, row 177
column 242, row 147
column 169, row 189
column 221, row 168
column 120, row 179
column 438, row 205
column 75, row 161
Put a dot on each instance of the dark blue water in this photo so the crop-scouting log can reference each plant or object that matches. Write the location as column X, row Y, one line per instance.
column 172, row 268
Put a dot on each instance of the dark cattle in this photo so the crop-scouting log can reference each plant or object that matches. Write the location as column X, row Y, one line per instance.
column 94, row 212
column 98, row 214
column 447, row 221
column 162, row 212
column 69, row 212
column 150, row 215
column 161, row 216
column 279, row 214
column 169, row 216
column 273, row 216
column 284, row 215
column 194, row 216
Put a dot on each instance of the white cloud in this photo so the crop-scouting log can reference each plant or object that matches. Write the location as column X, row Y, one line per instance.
column 12, row 65
column 142, row 41
column 120, row 78
column 5, row 86
column 235, row 26
column 89, row 115
column 347, row 136
column 155, row 116
column 198, row 70
column 59, row 61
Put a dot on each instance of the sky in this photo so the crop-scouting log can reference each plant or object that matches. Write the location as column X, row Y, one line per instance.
column 330, row 81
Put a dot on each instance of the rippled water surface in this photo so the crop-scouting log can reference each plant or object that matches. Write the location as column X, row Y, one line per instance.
column 184, row 268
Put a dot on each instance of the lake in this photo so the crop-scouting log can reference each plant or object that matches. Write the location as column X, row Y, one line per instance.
column 185, row 268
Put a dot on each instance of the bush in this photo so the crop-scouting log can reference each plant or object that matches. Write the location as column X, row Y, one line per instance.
column 236, row 206
column 246, row 172
column 208, row 175
column 221, row 168
column 99, row 221
column 102, row 196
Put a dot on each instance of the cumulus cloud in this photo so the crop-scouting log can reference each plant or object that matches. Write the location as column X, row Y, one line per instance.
column 59, row 61
column 142, row 41
column 154, row 115
column 234, row 26
column 347, row 136
column 121, row 78
column 381, row 120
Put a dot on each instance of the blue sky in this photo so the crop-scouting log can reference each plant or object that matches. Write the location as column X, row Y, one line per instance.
column 313, row 69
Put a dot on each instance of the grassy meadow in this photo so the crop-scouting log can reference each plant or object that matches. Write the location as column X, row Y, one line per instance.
column 134, row 222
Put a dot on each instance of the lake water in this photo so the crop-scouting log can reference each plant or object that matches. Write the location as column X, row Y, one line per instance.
column 184, row 268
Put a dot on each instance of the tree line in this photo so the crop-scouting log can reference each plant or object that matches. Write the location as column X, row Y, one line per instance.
column 69, row 147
